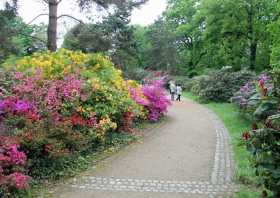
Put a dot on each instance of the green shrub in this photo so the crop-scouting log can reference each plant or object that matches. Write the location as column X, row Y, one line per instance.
column 221, row 85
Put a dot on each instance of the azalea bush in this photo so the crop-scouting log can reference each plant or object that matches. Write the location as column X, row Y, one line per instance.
column 12, row 166
column 261, row 99
column 152, row 97
column 66, row 104
column 158, row 102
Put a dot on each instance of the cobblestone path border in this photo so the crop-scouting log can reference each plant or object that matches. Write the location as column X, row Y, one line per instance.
column 220, row 184
column 223, row 169
column 140, row 185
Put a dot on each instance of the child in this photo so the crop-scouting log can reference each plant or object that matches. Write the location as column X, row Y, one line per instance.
column 178, row 92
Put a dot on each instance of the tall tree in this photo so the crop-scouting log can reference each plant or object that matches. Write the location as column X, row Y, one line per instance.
column 214, row 33
column 53, row 14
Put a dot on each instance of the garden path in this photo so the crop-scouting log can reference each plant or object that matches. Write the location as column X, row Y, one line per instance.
column 188, row 156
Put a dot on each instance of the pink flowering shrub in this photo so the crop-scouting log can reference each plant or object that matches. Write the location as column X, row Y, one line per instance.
column 152, row 97
column 158, row 101
column 12, row 165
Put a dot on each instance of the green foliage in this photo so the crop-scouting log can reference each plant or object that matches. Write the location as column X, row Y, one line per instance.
column 113, row 36
column 220, row 85
column 16, row 37
column 195, row 34
column 264, row 147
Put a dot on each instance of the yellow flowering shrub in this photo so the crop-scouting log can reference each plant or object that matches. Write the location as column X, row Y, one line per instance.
column 58, row 64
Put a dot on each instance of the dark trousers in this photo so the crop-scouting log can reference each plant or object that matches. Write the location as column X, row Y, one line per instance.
column 178, row 97
column 172, row 96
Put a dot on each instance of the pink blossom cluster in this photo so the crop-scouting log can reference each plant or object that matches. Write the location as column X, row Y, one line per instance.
column 17, row 157
column 9, row 155
column 10, row 158
column 49, row 92
column 18, row 180
column 158, row 100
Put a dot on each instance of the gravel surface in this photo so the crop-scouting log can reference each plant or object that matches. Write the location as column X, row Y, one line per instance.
column 189, row 156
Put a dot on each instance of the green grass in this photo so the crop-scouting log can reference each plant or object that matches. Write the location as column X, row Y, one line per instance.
column 244, row 173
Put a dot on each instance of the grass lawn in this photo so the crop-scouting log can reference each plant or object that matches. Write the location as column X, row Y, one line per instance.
column 244, row 173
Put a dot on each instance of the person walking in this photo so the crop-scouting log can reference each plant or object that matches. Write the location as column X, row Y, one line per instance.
column 178, row 92
column 172, row 88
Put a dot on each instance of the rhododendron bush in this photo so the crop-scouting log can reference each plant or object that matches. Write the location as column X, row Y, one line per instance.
column 65, row 103
column 255, row 99
column 12, row 166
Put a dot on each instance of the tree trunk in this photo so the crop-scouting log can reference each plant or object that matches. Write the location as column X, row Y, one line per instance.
column 52, row 27
column 253, row 42
column 253, row 54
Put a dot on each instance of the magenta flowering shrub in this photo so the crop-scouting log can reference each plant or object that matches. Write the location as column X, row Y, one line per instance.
column 137, row 95
column 12, row 165
column 158, row 101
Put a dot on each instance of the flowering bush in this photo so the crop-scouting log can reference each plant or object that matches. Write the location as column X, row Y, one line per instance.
column 66, row 103
column 12, row 162
column 152, row 97
column 263, row 144
column 158, row 102
column 221, row 85
column 255, row 99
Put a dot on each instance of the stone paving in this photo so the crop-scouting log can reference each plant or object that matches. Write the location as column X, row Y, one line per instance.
column 219, row 184
column 141, row 185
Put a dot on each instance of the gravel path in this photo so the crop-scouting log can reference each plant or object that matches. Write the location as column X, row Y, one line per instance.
column 189, row 156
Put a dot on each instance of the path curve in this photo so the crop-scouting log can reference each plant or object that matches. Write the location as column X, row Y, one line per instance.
column 189, row 156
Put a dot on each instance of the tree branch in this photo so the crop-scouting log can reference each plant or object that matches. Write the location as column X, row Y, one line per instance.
column 46, row 1
column 37, row 18
column 66, row 15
